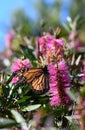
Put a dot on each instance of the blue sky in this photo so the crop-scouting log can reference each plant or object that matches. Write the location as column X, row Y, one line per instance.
column 6, row 10
column 8, row 6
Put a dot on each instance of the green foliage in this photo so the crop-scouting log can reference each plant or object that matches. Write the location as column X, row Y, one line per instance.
column 21, row 23
column 28, row 53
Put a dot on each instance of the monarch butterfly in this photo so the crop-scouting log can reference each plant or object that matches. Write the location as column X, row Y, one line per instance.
column 37, row 78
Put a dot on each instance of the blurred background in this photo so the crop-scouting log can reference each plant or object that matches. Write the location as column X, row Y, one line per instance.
column 27, row 17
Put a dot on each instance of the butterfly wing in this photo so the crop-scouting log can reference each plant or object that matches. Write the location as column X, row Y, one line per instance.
column 31, row 74
column 40, row 84
column 37, row 79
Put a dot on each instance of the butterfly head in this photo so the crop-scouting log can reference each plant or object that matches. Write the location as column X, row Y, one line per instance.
column 45, row 70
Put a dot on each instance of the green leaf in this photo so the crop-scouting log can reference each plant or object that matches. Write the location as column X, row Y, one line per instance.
column 10, row 78
column 5, row 91
column 23, row 99
column 58, row 111
column 6, row 123
column 29, row 54
column 31, row 107
column 19, row 119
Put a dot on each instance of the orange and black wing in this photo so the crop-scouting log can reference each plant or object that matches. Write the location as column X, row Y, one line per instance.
column 37, row 79
column 31, row 74
column 40, row 84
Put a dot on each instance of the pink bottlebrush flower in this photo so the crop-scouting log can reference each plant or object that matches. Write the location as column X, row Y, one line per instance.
column 60, row 41
column 27, row 63
column 53, row 44
column 50, row 42
column 72, row 35
column 51, row 47
column 42, row 46
column 59, row 81
column 54, row 95
column 76, row 43
column 20, row 64
column 46, row 43
column 55, row 99
column 17, row 65
column 64, row 74
column 8, row 43
column 9, row 38
column 63, row 81
column 15, row 80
